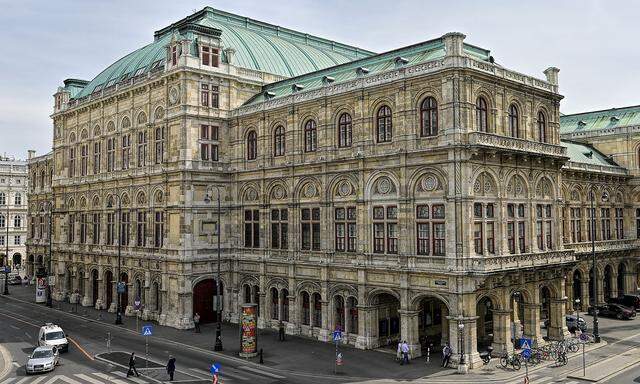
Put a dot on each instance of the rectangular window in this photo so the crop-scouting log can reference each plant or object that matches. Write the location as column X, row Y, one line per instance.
column 158, row 229
column 111, row 154
column 141, row 229
column 310, row 225
column 204, row 95
column 208, row 150
column 576, row 225
column 84, row 159
column 279, row 229
column 111, row 229
column 83, row 228
column 125, row 228
column 210, row 56
column 430, row 230
column 345, row 229
column 591, row 224
column 96, row 228
column 1, row 239
column 252, row 228
column 142, row 149
column 539, row 226
column 215, row 97
column 619, row 223
column 17, row 240
column 511, row 223
column 385, row 229
column 97, row 157
column 72, row 162
column 71, row 228
column 159, row 143
column 174, row 54
column 206, row 55
column 423, row 230
column 605, row 219
column 126, row 150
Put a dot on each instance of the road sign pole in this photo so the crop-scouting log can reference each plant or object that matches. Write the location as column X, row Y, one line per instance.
column 146, row 351
column 584, row 368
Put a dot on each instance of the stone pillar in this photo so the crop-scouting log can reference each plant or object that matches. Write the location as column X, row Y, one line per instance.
column 114, row 296
column 629, row 286
column 469, row 337
column 502, row 331
column 263, row 321
column 409, row 331
column 584, row 300
column 100, row 304
column 324, row 334
column 614, row 283
column 87, row 297
column 532, row 322
column 600, row 288
column 293, row 326
column 366, row 333
column 557, row 324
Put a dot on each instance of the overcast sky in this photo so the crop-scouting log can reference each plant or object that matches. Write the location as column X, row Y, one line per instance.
column 594, row 43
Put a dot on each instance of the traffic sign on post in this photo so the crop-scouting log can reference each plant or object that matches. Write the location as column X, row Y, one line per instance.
column 121, row 287
column 525, row 343
column 337, row 336
column 526, row 353
column 136, row 304
column 147, row 330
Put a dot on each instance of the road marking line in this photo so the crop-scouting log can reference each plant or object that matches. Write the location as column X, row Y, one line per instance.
column 16, row 364
column 134, row 379
column 259, row 372
column 87, row 378
column 23, row 380
column 8, row 380
column 110, row 378
column 14, row 327
column 80, row 348
column 39, row 379
column 62, row 378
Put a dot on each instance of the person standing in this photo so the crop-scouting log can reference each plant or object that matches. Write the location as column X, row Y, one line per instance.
column 171, row 367
column 399, row 353
column 281, row 331
column 132, row 365
column 405, row 352
column 446, row 355
column 196, row 322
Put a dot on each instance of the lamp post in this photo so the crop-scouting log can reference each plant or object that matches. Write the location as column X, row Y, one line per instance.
column 49, row 205
column 218, row 343
column 605, row 196
column 118, row 293
column 461, row 342
column 577, row 307
column 6, row 255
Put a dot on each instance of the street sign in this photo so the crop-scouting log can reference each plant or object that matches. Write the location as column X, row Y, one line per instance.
column 525, row 343
column 136, row 304
column 147, row 330
column 526, row 353
column 215, row 368
column 121, row 287
column 337, row 336
column 583, row 337
column 339, row 358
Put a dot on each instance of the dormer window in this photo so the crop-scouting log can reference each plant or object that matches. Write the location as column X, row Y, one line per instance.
column 139, row 71
column 210, row 56
column 175, row 53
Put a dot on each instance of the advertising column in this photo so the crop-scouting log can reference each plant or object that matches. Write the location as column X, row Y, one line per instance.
column 248, row 334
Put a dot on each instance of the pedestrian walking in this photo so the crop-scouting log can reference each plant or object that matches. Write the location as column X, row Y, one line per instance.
column 399, row 353
column 280, row 331
column 171, row 367
column 446, row 355
column 132, row 365
column 196, row 322
column 405, row 352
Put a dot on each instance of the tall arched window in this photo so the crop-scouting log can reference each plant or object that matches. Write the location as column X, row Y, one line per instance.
column 514, row 126
column 17, row 221
column 42, row 179
column 310, row 136
column 542, row 127
column 18, row 199
column 429, row 117
column 384, row 125
column 345, row 130
column 482, row 117
column 278, row 141
column 252, row 145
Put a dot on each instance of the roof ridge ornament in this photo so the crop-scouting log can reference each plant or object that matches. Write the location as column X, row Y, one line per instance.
column 328, row 80
column 269, row 95
column 361, row 71
column 297, row 87
column 400, row 61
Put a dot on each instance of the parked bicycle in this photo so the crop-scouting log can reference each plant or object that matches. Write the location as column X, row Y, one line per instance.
column 510, row 360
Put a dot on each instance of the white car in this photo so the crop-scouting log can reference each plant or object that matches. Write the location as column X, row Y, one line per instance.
column 51, row 335
column 42, row 359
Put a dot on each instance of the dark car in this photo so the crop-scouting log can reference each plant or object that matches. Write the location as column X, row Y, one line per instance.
column 615, row 310
column 572, row 322
column 631, row 301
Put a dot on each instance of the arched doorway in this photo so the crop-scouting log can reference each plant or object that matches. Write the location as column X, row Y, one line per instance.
column 124, row 296
column 317, row 310
column 203, row 296
column 17, row 261
column 577, row 288
column 387, row 309
column 545, row 310
column 80, row 283
column 246, row 289
column 94, row 286
column 484, row 327
column 285, row 304
column 30, row 265
column 275, row 304
column 432, row 323
column 622, row 271
column 108, row 286
column 606, row 283
column 305, row 303
column 352, row 306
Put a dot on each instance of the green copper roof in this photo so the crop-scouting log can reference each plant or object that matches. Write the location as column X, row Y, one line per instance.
column 413, row 54
column 583, row 153
column 259, row 46
column 597, row 120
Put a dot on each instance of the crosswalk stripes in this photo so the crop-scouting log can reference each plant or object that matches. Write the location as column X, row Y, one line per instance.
column 78, row 378
column 542, row 379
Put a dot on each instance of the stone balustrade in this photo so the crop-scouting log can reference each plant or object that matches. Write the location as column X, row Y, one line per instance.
column 512, row 144
column 520, row 261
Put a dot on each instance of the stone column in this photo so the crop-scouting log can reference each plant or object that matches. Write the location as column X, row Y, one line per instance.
column 532, row 322
column 557, row 325
column 293, row 326
column 629, row 286
column 614, row 283
column 502, row 331
column 262, row 317
column 366, row 332
column 600, row 288
column 469, row 337
column 409, row 331
column 584, row 300
column 87, row 298
column 100, row 304
column 324, row 334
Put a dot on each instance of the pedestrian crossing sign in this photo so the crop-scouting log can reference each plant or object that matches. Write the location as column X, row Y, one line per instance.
column 526, row 344
column 147, row 330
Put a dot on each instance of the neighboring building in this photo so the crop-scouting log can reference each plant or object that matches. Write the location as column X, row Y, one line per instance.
column 13, row 211
column 40, row 200
column 412, row 194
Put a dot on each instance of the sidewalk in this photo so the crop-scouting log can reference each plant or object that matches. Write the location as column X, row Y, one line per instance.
column 299, row 354
column 5, row 362
column 608, row 367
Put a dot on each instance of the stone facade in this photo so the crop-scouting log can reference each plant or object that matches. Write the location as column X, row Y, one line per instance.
column 40, row 171
column 13, row 212
column 395, row 205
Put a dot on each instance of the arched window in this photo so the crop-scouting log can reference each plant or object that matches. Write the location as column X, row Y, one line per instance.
column 17, row 221
column 18, row 199
column 384, row 125
column 429, row 117
column 42, row 179
column 542, row 127
column 344, row 130
column 514, row 127
column 2, row 221
column 482, row 118
column 252, row 145
column 310, row 136
column 278, row 141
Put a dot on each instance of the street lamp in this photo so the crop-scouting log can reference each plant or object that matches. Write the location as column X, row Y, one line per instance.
column 49, row 205
column 6, row 242
column 605, row 196
column 218, row 343
column 118, row 293
column 577, row 307
column 461, row 343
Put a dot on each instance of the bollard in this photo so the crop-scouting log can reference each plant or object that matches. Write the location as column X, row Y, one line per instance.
column 261, row 360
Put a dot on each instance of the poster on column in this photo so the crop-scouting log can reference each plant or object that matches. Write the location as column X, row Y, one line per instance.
column 248, row 331
column 41, row 286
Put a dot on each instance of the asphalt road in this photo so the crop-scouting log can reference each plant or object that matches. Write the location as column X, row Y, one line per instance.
column 628, row 376
column 19, row 324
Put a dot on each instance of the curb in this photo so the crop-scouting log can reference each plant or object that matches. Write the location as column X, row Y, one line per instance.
column 7, row 360
column 125, row 367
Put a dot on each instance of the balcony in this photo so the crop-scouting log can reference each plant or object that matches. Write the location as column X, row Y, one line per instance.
column 486, row 264
column 584, row 248
column 512, row 144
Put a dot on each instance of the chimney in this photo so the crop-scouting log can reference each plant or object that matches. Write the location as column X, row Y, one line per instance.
column 552, row 75
column 31, row 154
column 453, row 43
